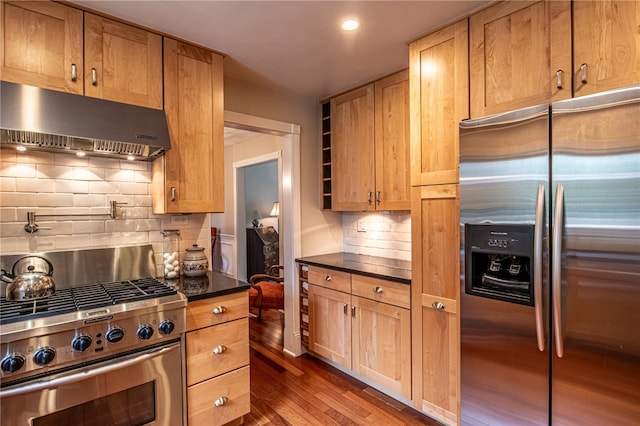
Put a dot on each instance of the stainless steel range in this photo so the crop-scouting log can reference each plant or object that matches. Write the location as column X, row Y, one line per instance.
column 105, row 348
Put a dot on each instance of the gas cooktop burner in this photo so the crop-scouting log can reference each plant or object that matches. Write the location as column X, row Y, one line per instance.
column 83, row 298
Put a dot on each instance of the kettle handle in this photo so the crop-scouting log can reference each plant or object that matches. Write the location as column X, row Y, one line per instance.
column 49, row 264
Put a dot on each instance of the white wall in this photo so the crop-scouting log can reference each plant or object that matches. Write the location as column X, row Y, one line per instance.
column 385, row 234
column 49, row 183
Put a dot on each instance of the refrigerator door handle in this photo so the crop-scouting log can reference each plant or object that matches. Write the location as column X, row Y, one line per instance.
column 556, row 270
column 537, row 274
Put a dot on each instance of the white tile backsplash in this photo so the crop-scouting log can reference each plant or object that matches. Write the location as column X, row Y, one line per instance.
column 51, row 184
column 386, row 234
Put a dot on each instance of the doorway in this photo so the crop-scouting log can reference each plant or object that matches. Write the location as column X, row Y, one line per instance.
column 288, row 156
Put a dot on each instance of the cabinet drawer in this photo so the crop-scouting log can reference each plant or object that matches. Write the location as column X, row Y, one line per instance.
column 381, row 290
column 330, row 278
column 216, row 350
column 203, row 313
column 232, row 389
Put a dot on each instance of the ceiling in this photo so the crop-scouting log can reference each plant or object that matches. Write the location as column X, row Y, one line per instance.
column 297, row 46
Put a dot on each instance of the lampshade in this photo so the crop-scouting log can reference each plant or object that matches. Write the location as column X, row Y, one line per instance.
column 275, row 210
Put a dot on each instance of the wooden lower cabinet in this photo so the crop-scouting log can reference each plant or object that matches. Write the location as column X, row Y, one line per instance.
column 219, row 400
column 435, row 294
column 217, row 352
column 366, row 330
column 381, row 344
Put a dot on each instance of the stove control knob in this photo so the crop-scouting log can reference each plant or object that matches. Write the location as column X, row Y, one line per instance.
column 115, row 335
column 145, row 332
column 81, row 343
column 166, row 327
column 12, row 363
column 44, row 355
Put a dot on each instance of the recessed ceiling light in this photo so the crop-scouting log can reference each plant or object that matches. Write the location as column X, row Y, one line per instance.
column 81, row 153
column 130, row 157
column 350, row 25
column 21, row 148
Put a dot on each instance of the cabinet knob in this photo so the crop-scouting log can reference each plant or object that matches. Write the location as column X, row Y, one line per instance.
column 219, row 310
column 219, row 349
column 378, row 289
column 327, row 277
column 220, row 401
column 438, row 305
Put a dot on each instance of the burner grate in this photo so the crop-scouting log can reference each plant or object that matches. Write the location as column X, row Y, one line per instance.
column 82, row 298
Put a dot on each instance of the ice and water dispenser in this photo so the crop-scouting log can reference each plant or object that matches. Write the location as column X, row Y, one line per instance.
column 499, row 262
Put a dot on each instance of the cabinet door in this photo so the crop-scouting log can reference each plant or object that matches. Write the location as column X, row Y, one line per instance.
column 435, row 287
column 189, row 178
column 439, row 100
column 330, row 324
column 42, row 45
column 123, row 63
column 381, row 346
column 607, row 44
column 516, row 48
column 393, row 185
column 352, row 150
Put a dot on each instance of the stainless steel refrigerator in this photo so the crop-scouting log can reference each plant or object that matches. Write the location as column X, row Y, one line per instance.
column 550, row 255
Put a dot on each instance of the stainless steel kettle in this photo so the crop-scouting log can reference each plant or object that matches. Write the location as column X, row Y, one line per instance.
column 31, row 278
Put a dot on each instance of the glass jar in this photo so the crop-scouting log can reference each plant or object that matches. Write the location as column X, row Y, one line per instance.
column 171, row 253
column 195, row 262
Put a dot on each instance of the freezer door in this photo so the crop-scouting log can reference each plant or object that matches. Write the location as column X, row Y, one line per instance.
column 504, row 345
column 596, row 259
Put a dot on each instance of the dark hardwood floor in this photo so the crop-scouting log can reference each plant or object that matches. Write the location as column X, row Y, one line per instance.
column 286, row 390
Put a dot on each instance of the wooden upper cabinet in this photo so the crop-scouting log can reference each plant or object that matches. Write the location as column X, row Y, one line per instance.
column 41, row 45
column 189, row 178
column 393, row 184
column 370, row 146
column 520, row 55
column 122, row 63
column 439, row 82
column 606, row 45
column 352, row 150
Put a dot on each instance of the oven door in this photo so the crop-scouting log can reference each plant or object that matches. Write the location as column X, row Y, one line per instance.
column 138, row 389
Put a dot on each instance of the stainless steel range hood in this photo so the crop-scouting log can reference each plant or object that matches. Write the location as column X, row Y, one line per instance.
column 62, row 122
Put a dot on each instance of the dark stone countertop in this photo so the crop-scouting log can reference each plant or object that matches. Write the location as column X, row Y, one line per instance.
column 211, row 285
column 372, row 266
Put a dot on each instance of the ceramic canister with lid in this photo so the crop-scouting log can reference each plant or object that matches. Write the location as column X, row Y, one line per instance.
column 195, row 262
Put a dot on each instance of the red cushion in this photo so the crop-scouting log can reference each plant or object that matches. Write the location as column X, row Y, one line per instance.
column 272, row 295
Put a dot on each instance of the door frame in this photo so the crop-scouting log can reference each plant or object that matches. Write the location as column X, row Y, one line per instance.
column 289, row 220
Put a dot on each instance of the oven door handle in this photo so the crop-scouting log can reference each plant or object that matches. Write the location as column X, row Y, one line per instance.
column 87, row 374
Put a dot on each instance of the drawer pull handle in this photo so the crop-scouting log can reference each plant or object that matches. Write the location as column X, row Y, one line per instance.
column 327, row 277
column 345, row 309
column 219, row 349
column 219, row 310
column 74, row 72
column 438, row 305
column 220, row 401
column 559, row 79
column 378, row 289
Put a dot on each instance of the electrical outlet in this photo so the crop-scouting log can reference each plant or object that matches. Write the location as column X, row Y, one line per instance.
column 180, row 220
column 362, row 226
